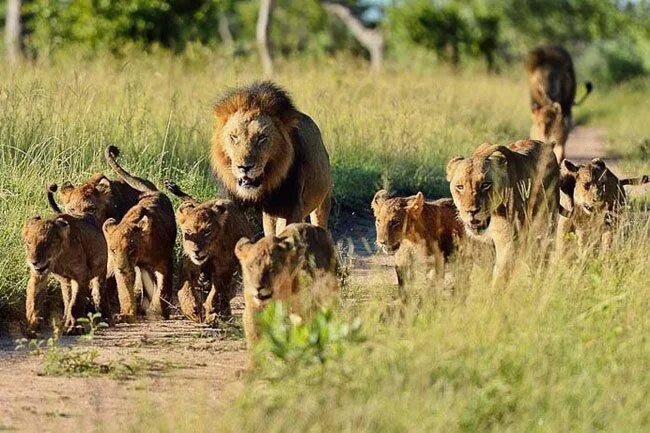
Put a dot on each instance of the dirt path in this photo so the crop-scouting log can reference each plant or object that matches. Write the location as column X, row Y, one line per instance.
column 176, row 356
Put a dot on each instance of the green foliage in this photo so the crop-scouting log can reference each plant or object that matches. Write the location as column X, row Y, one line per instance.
column 321, row 338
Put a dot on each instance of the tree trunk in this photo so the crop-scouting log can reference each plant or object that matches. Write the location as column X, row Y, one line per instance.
column 224, row 32
column 12, row 31
column 371, row 39
column 262, row 33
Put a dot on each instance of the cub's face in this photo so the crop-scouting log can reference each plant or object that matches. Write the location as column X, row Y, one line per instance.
column 91, row 198
column 123, row 240
column 477, row 186
column 596, row 188
column 393, row 218
column 548, row 123
column 265, row 265
column 203, row 229
column 250, row 141
column 43, row 241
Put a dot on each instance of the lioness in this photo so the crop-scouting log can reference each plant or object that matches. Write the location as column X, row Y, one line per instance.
column 411, row 223
column 552, row 79
column 143, row 240
column 268, row 153
column 72, row 249
column 210, row 231
column 500, row 192
column 275, row 267
column 596, row 197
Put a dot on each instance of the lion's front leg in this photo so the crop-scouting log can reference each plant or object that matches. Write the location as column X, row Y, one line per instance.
column 269, row 223
column 125, row 280
column 33, row 300
column 505, row 253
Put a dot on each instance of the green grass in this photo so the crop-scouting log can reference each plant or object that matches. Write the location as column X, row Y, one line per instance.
column 561, row 349
column 396, row 129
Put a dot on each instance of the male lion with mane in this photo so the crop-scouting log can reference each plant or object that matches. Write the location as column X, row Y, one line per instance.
column 502, row 192
column 552, row 83
column 268, row 153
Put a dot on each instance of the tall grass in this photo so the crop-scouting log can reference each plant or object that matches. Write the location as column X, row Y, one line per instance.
column 563, row 348
column 396, row 129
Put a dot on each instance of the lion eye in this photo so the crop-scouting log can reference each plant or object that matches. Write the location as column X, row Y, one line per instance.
column 486, row 185
column 262, row 139
column 394, row 224
column 233, row 137
column 459, row 187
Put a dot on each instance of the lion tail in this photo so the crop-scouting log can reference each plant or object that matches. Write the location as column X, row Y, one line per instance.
column 137, row 183
column 50, row 198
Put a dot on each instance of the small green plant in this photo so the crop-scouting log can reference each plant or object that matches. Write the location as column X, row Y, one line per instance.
column 295, row 342
column 90, row 325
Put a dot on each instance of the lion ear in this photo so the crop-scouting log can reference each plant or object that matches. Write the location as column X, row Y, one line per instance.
column 380, row 197
column 416, row 204
column 598, row 163
column 242, row 248
column 451, row 166
column 109, row 226
column 62, row 224
column 145, row 223
column 104, row 185
column 568, row 167
column 66, row 189
column 556, row 107
column 185, row 207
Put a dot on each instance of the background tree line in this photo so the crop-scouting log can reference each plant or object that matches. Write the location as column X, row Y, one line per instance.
column 610, row 37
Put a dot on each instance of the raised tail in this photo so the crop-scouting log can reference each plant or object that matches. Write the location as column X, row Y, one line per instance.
column 50, row 198
column 137, row 183
column 588, row 87
column 178, row 192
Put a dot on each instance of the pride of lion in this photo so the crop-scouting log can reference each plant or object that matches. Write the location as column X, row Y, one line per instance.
column 115, row 238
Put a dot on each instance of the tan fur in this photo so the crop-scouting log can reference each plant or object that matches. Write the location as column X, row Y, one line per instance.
column 551, row 127
column 275, row 269
column 210, row 232
column 99, row 196
column 596, row 197
column 503, row 192
column 142, row 243
column 411, row 222
column 268, row 153
column 551, row 78
column 73, row 251
column 552, row 81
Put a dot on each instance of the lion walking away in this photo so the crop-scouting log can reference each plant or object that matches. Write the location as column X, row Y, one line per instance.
column 268, row 153
column 552, row 83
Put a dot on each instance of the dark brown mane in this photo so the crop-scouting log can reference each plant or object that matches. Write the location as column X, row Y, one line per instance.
column 547, row 55
column 265, row 97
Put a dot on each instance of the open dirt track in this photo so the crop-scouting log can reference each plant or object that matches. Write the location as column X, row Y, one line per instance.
column 176, row 356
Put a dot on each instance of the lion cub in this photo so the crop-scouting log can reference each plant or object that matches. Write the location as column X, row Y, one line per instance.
column 276, row 267
column 142, row 241
column 410, row 224
column 551, row 127
column 596, row 197
column 210, row 231
column 71, row 249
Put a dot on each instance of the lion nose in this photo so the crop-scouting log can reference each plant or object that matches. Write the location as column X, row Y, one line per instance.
column 473, row 211
column 245, row 168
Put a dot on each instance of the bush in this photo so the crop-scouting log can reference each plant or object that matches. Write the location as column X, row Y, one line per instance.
column 611, row 61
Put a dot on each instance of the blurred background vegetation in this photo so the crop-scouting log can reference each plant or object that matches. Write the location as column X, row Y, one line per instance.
column 610, row 39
